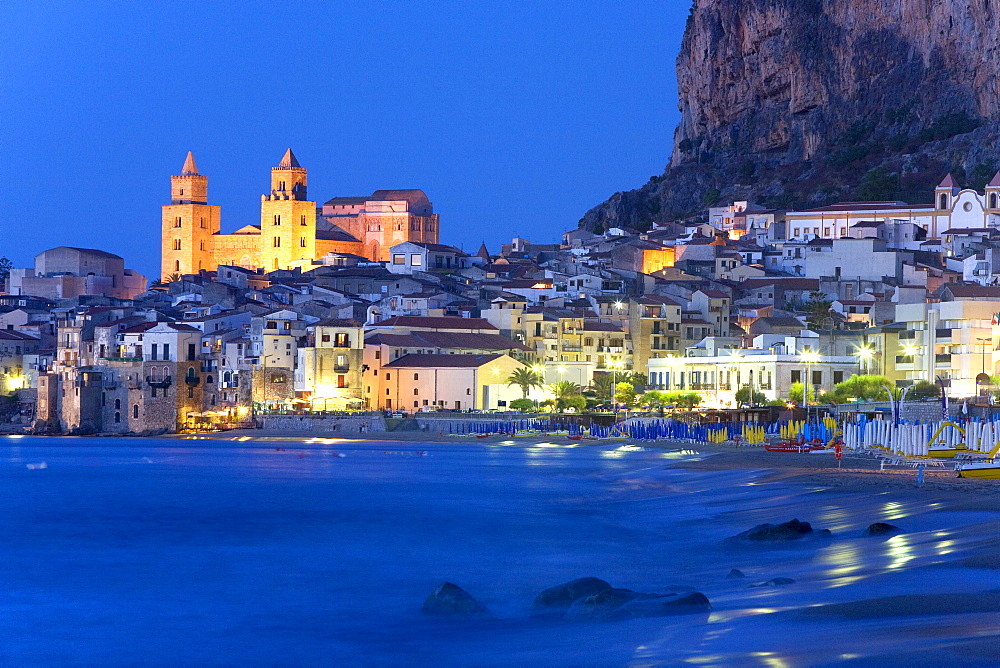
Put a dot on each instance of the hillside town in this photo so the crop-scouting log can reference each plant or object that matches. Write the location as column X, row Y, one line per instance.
column 355, row 305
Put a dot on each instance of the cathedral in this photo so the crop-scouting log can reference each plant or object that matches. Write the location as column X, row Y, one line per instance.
column 293, row 231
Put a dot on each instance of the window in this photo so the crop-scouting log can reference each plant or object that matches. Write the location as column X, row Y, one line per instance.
column 118, row 418
column 342, row 340
column 192, row 352
column 388, row 376
column 838, row 377
column 416, row 391
column 943, row 202
column 287, row 326
column 135, row 410
column 277, row 217
column 209, row 380
column 796, row 376
column 118, row 404
column 202, row 223
column 378, row 354
column 468, row 391
column 271, row 324
column 177, row 244
column 325, row 338
column 302, row 220
column 817, row 377
column 277, row 243
column 190, row 392
column 416, row 376
column 154, row 352
column 177, row 265
column 201, row 245
column 398, row 258
column 416, row 260
column 177, row 221
column 278, row 379
column 993, row 200
column 302, row 242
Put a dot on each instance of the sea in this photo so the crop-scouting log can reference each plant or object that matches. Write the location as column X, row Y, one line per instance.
column 199, row 552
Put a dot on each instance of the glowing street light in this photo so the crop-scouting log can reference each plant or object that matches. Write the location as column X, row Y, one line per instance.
column 865, row 355
column 810, row 357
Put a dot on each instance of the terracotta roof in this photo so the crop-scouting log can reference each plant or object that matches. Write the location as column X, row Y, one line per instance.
column 441, row 361
column 981, row 291
column 14, row 335
column 948, row 182
column 442, row 322
column 288, row 161
column 456, row 340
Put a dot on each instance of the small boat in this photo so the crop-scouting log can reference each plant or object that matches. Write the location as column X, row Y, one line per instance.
column 483, row 435
column 575, row 437
column 981, row 470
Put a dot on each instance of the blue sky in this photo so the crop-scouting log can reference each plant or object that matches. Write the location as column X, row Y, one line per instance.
column 514, row 117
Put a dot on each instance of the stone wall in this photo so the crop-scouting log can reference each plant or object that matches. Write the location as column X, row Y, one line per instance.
column 323, row 425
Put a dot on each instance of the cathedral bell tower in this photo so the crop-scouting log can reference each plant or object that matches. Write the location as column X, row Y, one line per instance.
column 188, row 224
column 287, row 218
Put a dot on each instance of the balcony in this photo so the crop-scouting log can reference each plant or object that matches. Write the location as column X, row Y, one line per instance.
column 121, row 359
column 572, row 349
column 610, row 349
column 192, row 381
column 942, row 333
column 942, row 359
column 164, row 382
column 341, row 368
column 209, row 366
column 907, row 335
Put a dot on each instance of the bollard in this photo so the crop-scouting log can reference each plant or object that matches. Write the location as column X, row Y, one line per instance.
column 920, row 473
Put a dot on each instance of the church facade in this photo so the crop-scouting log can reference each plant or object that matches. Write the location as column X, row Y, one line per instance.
column 293, row 231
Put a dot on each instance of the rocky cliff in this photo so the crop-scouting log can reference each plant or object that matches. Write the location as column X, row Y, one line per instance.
column 795, row 103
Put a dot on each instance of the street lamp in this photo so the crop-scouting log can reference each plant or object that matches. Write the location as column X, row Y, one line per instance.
column 736, row 356
column 984, row 341
column 810, row 357
column 865, row 355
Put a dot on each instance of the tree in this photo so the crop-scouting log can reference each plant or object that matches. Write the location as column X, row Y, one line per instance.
column 795, row 393
column 523, row 405
column 525, row 378
column 923, row 389
column 603, row 386
column 637, row 379
column 5, row 267
column 578, row 402
column 171, row 278
column 653, row 398
column 746, row 395
column 862, row 386
column 563, row 391
column 625, row 393
column 686, row 400
column 817, row 309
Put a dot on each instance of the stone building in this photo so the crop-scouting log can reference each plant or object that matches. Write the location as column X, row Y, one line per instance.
column 66, row 272
column 293, row 231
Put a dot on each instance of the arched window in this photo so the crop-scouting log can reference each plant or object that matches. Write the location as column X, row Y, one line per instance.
column 154, row 373
column 944, row 202
column 118, row 405
column 190, row 372
column 135, row 411
column 118, row 418
column 209, row 380
column 177, row 265
column 227, row 377
column 993, row 200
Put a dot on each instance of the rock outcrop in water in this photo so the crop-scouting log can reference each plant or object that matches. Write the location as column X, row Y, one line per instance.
column 771, row 533
column 794, row 103
column 882, row 529
column 593, row 599
column 450, row 600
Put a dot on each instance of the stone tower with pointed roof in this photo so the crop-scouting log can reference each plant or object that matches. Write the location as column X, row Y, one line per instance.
column 287, row 236
column 287, row 218
column 188, row 223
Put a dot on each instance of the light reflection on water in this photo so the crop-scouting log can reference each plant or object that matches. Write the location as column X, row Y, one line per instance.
column 321, row 546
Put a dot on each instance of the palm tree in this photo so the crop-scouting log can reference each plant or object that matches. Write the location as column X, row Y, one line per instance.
column 525, row 378
column 172, row 278
column 563, row 390
column 603, row 386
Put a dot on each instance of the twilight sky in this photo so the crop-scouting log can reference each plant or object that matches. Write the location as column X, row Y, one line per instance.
column 514, row 117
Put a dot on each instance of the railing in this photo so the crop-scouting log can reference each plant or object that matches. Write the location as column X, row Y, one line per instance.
column 229, row 385
column 907, row 335
column 209, row 366
column 573, row 349
column 942, row 359
column 193, row 381
column 341, row 368
column 121, row 359
column 943, row 333
column 159, row 382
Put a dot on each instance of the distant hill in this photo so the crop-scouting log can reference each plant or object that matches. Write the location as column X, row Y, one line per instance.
column 796, row 103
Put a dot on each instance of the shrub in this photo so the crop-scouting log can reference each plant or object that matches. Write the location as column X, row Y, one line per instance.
column 523, row 405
